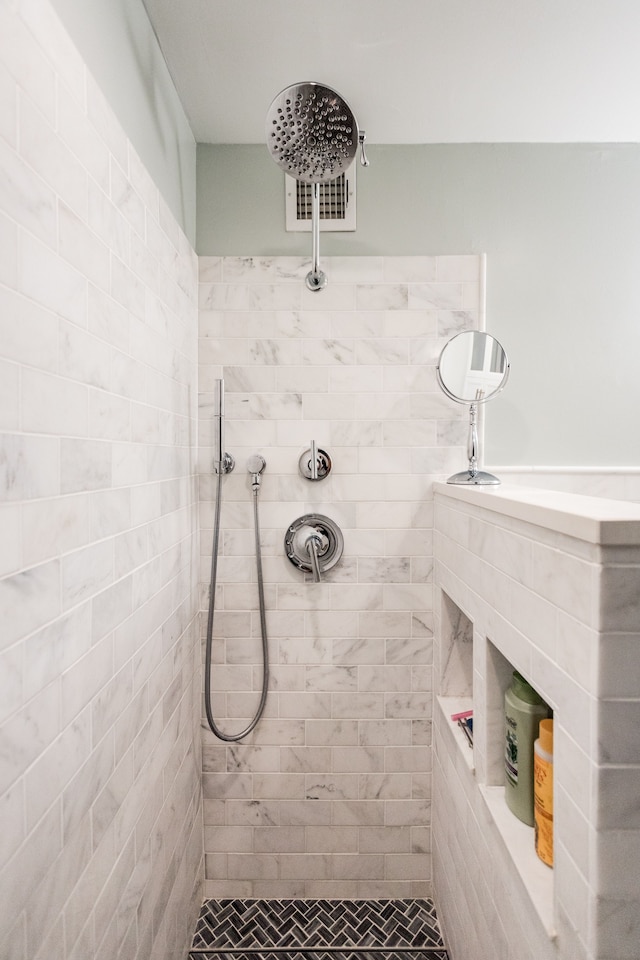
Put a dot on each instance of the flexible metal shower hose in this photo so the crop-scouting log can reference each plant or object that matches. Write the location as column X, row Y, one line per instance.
column 233, row 738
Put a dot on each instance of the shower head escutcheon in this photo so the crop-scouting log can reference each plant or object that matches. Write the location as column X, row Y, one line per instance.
column 312, row 134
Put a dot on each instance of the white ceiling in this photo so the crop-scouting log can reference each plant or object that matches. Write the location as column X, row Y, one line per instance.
column 413, row 71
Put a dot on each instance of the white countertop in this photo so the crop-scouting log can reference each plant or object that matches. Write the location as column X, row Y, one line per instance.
column 595, row 520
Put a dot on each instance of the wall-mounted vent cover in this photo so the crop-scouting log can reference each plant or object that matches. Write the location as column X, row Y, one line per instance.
column 337, row 203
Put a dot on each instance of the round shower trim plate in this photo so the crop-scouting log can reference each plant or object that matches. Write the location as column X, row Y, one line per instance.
column 332, row 542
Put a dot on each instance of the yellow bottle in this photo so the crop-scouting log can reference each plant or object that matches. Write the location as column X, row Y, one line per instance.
column 543, row 792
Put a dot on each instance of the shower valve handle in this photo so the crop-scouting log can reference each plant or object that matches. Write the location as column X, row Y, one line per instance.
column 314, row 543
column 314, row 464
column 363, row 157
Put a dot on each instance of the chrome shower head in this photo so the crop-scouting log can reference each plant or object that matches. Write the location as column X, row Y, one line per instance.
column 312, row 133
column 313, row 136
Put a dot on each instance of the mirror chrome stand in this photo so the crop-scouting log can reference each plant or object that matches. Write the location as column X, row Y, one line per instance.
column 473, row 475
column 472, row 368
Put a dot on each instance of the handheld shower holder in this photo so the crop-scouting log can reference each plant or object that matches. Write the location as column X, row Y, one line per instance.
column 225, row 465
column 255, row 465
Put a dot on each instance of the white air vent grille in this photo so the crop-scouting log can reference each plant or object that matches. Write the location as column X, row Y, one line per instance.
column 337, row 203
column 333, row 200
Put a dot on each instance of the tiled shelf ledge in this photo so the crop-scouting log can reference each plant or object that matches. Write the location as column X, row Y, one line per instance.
column 450, row 705
column 518, row 840
column 592, row 519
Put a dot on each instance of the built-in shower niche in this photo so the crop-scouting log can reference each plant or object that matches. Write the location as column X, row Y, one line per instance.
column 518, row 838
column 454, row 667
column 498, row 673
column 473, row 674
column 455, row 651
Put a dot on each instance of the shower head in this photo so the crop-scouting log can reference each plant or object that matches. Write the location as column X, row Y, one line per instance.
column 312, row 133
column 313, row 136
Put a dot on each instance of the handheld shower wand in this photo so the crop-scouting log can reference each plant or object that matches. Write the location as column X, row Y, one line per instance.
column 222, row 462
column 255, row 466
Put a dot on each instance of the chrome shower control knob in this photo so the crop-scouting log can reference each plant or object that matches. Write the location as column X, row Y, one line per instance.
column 314, row 464
column 313, row 539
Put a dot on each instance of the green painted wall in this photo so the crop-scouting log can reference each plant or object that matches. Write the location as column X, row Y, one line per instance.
column 560, row 224
column 120, row 48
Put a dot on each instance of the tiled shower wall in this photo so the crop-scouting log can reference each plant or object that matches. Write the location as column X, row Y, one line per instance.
column 100, row 843
column 331, row 794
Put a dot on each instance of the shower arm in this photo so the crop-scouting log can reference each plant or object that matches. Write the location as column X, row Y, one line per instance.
column 315, row 279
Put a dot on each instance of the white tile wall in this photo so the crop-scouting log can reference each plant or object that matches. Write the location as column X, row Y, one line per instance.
column 100, row 845
column 331, row 795
column 563, row 610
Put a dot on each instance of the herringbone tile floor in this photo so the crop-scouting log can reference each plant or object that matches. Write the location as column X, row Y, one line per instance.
column 318, row 930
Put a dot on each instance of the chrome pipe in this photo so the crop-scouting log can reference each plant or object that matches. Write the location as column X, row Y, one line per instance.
column 316, row 279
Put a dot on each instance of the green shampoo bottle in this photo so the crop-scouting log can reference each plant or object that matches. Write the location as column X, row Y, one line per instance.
column 523, row 711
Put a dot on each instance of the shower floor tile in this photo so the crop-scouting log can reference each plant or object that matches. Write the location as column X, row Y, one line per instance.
column 431, row 953
column 318, row 930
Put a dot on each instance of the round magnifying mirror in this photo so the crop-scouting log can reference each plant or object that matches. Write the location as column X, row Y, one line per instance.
column 472, row 368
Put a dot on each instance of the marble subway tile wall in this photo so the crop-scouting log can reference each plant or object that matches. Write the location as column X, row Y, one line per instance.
column 331, row 794
column 100, row 844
